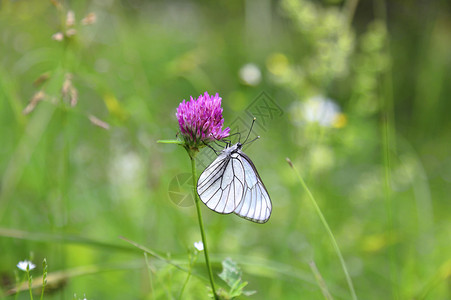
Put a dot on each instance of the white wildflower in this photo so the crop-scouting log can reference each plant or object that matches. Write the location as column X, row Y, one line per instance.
column 322, row 110
column 250, row 74
column 199, row 245
column 24, row 264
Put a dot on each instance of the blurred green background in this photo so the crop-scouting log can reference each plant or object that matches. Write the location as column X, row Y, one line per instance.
column 362, row 89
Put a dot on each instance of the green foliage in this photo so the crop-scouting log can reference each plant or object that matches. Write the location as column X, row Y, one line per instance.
column 231, row 274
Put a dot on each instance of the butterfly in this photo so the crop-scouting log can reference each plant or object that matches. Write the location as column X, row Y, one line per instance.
column 231, row 184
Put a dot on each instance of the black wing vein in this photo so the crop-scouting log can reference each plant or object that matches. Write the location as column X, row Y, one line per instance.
column 231, row 183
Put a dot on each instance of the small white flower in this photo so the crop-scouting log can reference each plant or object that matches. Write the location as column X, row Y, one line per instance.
column 199, row 245
column 318, row 109
column 23, row 265
column 250, row 74
column 322, row 110
column 58, row 36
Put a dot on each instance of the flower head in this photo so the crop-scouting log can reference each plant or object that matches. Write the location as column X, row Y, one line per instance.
column 23, row 265
column 250, row 74
column 321, row 110
column 201, row 120
column 199, row 246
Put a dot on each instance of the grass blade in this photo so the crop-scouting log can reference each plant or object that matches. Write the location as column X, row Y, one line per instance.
column 329, row 231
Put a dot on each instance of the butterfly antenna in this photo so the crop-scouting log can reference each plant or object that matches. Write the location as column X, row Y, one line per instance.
column 239, row 133
column 214, row 150
column 250, row 130
column 229, row 141
column 253, row 140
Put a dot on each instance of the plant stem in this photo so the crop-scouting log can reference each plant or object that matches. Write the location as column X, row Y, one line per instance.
column 321, row 283
column 201, row 226
column 184, row 285
column 44, row 277
column 18, row 284
column 170, row 142
column 388, row 146
column 329, row 231
column 149, row 273
column 29, row 282
column 191, row 262
column 349, row 9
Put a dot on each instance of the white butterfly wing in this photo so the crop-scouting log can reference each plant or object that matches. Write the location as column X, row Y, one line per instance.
column 256, row 204
column 220, row 185
column 231, row 184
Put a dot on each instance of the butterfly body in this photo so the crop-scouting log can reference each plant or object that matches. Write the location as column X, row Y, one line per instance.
column 231, row 184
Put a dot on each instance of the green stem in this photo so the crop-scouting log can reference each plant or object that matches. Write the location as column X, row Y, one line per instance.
column 201, row 226
column 149, row 273
column 349, row 10
column 29, row 282
column 319, row 279
column 178, row 142
column 388, row 146
column 329, row 231
column 184, row 284
column 44, row 277
column 191, row 262
column 18, row 284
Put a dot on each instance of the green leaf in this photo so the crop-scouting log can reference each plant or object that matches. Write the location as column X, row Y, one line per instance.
column 178, row 142
column 231, row 273
column 249, row 293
